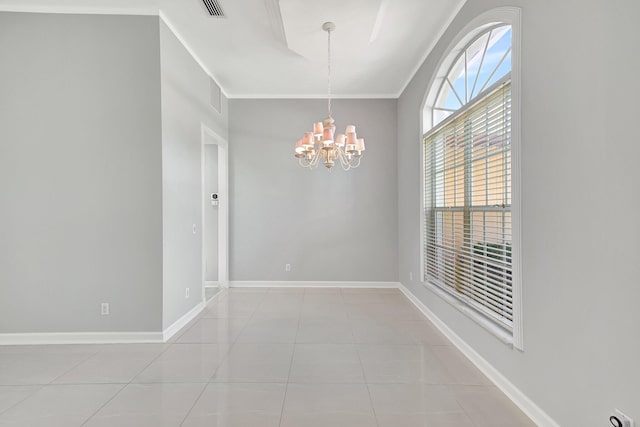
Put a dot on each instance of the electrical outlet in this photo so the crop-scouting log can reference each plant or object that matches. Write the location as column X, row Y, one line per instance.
column 287, row 267
column 186, row 293
column 104, row 309
column 411, row 275
column 618, row 419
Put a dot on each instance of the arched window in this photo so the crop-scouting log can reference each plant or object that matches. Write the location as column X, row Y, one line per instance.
column 485, row 61
column 471, row 248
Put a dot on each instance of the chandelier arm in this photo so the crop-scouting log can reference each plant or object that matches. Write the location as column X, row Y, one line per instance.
column 316, row 159
column 343, row 159
column 348, row 161
column 305, row 163
column 345, row 165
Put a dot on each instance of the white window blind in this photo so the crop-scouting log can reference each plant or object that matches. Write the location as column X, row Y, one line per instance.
column 467, row 166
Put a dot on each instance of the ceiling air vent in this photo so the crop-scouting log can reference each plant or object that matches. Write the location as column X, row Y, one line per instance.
column 214, row 8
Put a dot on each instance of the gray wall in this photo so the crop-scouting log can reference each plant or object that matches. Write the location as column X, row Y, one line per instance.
column 211, row 212
column 185, row 106
column 80, row 173
column 580, row 208
column 330, row 226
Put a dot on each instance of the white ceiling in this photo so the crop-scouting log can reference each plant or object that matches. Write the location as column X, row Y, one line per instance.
column 277, row 48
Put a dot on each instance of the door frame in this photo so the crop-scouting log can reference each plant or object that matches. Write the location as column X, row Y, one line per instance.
column 209, row 137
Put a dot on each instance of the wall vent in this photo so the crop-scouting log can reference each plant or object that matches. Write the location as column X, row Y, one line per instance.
column 214, row 8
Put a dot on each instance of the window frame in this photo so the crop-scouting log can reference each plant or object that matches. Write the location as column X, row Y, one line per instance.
column 470, row 33
column 467, row 113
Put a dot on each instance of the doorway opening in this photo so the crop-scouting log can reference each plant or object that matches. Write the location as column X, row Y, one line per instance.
column 215, row 214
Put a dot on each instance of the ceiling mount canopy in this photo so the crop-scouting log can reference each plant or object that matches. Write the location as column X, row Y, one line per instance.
column 320, row 144
column 329, row 26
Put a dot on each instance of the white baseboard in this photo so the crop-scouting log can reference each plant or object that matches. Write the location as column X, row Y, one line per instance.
column 527, row 406
column 181, row 322
column 311, row 284
column 216, row 284
column 46, row 338
column 80, row 338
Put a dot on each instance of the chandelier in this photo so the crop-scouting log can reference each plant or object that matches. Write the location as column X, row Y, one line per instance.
column 320, row 145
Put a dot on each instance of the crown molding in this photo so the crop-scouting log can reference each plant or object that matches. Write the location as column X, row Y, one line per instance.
column 188, row 48
column 275, row 20
column 431, row 46
column 88, row 10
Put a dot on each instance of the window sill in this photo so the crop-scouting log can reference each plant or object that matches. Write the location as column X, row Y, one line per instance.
column 500, row 333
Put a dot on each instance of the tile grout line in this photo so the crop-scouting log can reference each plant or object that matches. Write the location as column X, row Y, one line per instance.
column 226, row 356
column 364, row 375
column 293, row 352
column 194, row 403
column 125, row 385
column 169, row 345
column 253, row 316
column 40, row 387
column 77, row 364
column 50, row 383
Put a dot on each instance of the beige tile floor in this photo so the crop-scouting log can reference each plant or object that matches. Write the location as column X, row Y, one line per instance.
column 264, row 358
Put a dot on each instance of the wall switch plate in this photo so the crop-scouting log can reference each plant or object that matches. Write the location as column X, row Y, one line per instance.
column 618, row 419
column 194, row 229
column 287, row 267
column 104, row 309
column 411, row 275
column 186, row 293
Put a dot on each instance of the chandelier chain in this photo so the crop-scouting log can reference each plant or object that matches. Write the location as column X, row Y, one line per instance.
column 329, row 72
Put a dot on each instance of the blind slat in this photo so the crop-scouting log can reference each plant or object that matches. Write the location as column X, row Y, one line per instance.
column 467, row 169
